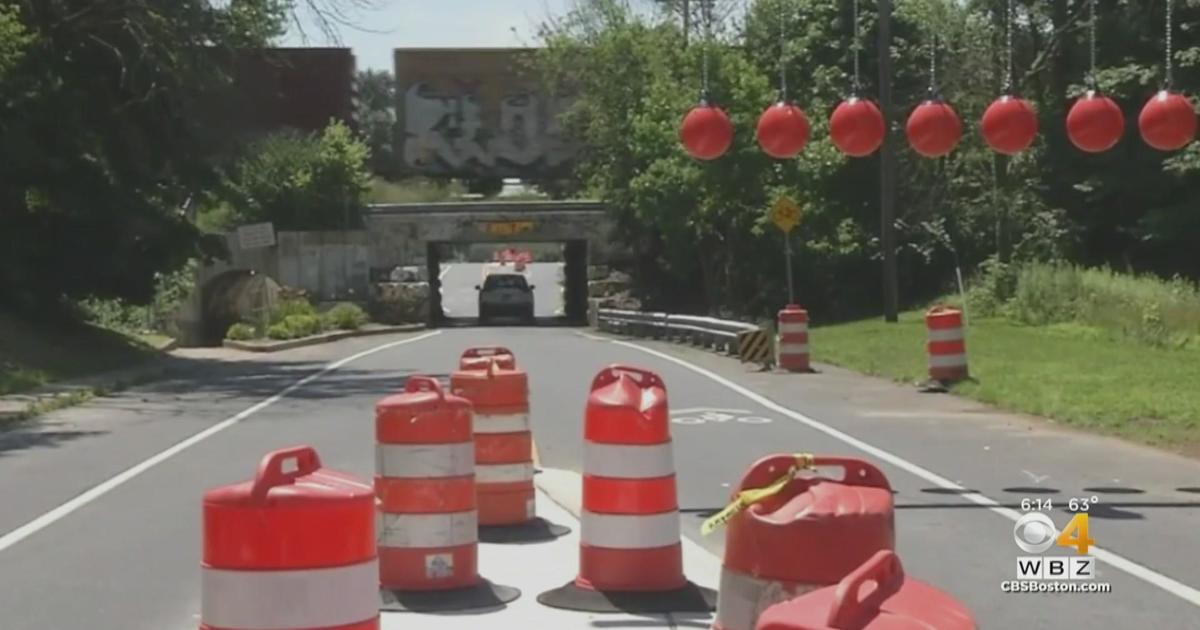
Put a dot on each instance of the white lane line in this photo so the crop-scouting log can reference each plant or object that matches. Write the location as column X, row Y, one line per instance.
column 95, row 492
column 445, row 270
column 592, row 337
column 1150, row 576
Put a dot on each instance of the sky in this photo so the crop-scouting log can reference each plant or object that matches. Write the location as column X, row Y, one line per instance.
column 433, row 24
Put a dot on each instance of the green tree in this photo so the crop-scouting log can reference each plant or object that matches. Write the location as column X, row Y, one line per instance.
column 302, row 181
column 106, row 130
column 377, row 117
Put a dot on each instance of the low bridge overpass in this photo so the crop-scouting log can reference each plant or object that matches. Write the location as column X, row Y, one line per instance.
column 341, row 265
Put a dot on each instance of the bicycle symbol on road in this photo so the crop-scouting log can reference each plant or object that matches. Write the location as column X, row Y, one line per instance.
column 705, row 415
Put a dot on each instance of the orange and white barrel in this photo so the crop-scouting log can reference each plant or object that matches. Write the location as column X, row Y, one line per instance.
column 269, row 560
column 503, row 438
column 946, row 344
column 477, row 358
column 629, row 527
column 793, row 339
column 425, row 486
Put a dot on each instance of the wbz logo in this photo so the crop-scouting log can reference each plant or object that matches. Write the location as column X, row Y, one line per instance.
column 1036, row 533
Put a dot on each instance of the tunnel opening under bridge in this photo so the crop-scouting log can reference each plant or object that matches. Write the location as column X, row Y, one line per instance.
column 557, row 272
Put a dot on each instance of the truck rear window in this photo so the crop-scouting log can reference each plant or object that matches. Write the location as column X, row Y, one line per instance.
column 506, row 281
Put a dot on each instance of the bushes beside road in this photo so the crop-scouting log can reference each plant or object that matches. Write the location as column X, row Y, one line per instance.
column 295, row 317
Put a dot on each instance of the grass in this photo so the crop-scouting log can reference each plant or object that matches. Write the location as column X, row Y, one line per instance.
column 32, row 355
column 1078, row 375
column 414, row 190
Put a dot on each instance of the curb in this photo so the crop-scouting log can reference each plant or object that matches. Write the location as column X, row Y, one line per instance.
column 288, row 344
column 17, row 408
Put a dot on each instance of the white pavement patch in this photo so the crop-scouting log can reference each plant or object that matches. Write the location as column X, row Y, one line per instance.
column 536, row 568
column 97, row 491
column 1150, row 576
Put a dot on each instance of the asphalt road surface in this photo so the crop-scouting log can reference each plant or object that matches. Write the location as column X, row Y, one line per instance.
column 460, row 299
column 100, row 525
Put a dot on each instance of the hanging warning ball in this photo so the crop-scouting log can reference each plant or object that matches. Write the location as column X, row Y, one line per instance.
column 1168, row 121
column 782, row 130
column 933, row 129
column 706, row 132
column 1009, row 125
column 856, row 127
column 1095, row 123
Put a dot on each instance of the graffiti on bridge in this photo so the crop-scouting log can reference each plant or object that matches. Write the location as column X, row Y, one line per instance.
column 454, row 131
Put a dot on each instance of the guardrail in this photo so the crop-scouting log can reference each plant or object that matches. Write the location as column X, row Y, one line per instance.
column 751, row 343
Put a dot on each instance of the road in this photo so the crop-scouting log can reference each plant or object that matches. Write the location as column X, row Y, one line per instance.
column 460, row 299
column 101, row 519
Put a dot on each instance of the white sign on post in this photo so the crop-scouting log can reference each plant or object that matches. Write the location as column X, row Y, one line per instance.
column 256, row 235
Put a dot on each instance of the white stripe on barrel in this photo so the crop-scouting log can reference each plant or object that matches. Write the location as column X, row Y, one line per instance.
column 792, row 328
column 793, row 348
column 450, row 529
column 947, row 360
column 424, row 461
column 945, row 334
column 743, row 598
column 628, row 461
column 629, row 531
column 503, row 473
column 290, row 600
column 501, row 423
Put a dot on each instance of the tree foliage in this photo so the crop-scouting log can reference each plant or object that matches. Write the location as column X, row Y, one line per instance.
column 700, row 230
column 106, row 132
column 377, row 117
column 301, row 181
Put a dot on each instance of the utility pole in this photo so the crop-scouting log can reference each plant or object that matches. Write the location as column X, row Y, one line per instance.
column 887, row 168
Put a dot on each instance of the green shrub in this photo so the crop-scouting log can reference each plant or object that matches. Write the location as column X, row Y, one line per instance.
column 1144, row 308
column 302, row 181
column 279, row 331
column 241, row 332
column 304, row 325
column 345, row 316
column 289, row 307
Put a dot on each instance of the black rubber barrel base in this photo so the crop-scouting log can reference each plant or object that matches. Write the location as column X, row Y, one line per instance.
column 690, row 598
column 482, row 596
column 532, row 531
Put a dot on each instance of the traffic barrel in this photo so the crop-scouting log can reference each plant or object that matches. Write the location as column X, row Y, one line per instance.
column 946, row 347
column 269, row 560
column 425, row 486
column 793, row 339
column 790, row 531
column 477, row 358
column 503, row 440
column 895, row 602
column 629, row 535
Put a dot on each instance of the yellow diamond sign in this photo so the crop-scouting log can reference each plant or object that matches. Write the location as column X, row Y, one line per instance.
column 785, row 214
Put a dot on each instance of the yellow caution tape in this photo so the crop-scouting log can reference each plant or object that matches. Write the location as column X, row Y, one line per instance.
column 746, row 498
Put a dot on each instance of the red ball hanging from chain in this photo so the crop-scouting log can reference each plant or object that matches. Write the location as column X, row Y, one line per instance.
column 1009, row 125
column 856, row 127
column 782, row 130
column 1168, row 121
column 1095, row 123
column 933, row 128
column 706, row 131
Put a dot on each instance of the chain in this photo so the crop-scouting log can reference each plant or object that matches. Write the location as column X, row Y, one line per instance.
column 1008, row 28
column 1169, row 64
column 933, row 64
column 705, row 15
column 1092, row 37
column 856, row 47
column 782, row 51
